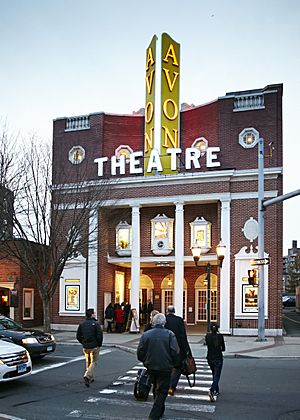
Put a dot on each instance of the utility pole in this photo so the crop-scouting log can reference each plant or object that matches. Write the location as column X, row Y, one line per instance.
column 261, row 243
column 262, row 205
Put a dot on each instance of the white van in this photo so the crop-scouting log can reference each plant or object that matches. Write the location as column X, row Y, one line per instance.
column 15, row 361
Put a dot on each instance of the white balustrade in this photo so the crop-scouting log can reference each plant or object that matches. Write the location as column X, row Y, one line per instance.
column 77, row 123
column 248, row 102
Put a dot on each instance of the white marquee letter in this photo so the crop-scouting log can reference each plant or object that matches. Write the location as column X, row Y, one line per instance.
column 120, row 163
column 174, row 153
column 134, row 163
column 192, row 154
column 154, row 161
column 210, row 156
column 100, row 162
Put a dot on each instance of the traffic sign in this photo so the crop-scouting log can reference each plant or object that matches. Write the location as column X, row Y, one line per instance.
column 260, row 261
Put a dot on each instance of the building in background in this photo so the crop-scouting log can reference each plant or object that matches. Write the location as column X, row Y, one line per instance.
column 145, row 229
column 291, row 269
column 19, row 297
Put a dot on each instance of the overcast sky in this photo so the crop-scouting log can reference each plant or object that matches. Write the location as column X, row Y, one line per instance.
column 68, row 57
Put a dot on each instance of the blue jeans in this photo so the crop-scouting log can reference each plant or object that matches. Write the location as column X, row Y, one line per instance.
column 216, row 369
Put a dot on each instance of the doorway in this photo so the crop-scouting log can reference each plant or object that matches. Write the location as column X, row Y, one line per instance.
column 4, row 301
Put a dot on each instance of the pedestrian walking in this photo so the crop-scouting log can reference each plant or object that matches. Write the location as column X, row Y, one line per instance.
column 150, row 308
column 215, row 346
column 152, row 315
column 175, row 323
column 119, row 318
column 109, row 316
column 158, row 350
column 127, row 308
column 90, row 335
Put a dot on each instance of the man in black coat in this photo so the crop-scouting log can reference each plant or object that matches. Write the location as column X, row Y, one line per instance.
column 90, row 335
column 159, row 352
column 175, row 323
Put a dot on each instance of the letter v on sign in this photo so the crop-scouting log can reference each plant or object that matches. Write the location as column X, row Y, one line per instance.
column 149, row 81
column 167, row 74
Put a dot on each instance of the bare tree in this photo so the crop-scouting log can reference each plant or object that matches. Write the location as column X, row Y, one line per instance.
column 51, row 223
column 294, row 273
column 10, row 175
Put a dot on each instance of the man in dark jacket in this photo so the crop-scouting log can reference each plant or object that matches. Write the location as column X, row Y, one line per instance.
column 90, row 335
column 175, row 323
column 159, row 352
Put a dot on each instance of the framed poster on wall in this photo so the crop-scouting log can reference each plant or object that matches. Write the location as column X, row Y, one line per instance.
column 250, row 298
column 72, row 298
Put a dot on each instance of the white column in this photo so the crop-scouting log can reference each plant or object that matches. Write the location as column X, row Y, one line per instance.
column 93, row 261
column 225, row 270
column 179, row 259
column 135, row 258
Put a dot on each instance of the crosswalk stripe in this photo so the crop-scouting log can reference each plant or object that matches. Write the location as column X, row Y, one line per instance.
column 205, row 408
column 108, row 391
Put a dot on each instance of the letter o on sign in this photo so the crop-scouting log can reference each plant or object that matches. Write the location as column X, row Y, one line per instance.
column 149, row 112
column 174, row 109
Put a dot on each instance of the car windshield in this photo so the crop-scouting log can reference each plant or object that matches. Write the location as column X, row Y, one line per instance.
column 9, row 324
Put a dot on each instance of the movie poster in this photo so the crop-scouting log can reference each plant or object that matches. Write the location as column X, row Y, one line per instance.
column 250, row 298
column 72, row 298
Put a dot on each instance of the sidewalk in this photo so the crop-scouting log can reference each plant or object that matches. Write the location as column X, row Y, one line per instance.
column 237, row 346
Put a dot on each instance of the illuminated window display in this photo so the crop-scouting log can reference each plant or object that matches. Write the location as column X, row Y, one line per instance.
column 162, row 235
column 123, row 239
column 201, row 234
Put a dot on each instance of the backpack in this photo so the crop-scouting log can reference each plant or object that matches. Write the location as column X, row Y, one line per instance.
column 142, row 385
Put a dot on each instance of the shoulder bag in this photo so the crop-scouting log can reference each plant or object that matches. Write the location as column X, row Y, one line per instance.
column 189, row 367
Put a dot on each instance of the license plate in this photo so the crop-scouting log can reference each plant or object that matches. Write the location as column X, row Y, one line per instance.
column 22, row 368
column 49, row 348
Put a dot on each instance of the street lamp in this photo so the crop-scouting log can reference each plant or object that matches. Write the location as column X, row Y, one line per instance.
column 196, row 251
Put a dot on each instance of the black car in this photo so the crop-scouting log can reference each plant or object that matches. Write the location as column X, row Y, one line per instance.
column 36, row 342
column 289, row 301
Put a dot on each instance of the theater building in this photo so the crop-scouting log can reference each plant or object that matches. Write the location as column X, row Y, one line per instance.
column 197, row 183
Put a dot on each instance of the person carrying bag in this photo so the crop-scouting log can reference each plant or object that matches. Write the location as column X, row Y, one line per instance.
column 189, row 367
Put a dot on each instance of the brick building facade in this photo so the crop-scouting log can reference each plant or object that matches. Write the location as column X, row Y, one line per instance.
column 19, row 296
column 162, row 213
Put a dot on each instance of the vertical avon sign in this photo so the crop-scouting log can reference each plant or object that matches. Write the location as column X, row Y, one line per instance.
column 161, row 110
column 150, row 101
column 169, row 137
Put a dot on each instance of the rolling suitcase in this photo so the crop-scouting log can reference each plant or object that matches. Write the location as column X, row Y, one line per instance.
column 142, row 385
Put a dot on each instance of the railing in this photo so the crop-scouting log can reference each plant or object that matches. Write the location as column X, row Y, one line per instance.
column 248, row 102
column 78, row 123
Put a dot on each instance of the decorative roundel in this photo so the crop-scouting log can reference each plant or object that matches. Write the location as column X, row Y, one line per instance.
column 248, row 138
column 76, row 155
column 160, row 244
column 250, row 229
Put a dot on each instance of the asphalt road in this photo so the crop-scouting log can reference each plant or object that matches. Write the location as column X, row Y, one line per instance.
column 250, row 389
column 291, row 322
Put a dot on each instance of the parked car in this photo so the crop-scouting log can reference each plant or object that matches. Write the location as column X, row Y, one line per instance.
column 289, row 300
column 36, row 342
column 15, row 361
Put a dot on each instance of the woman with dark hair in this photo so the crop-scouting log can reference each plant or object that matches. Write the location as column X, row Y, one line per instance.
column 215, row 346
column 109, row 316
